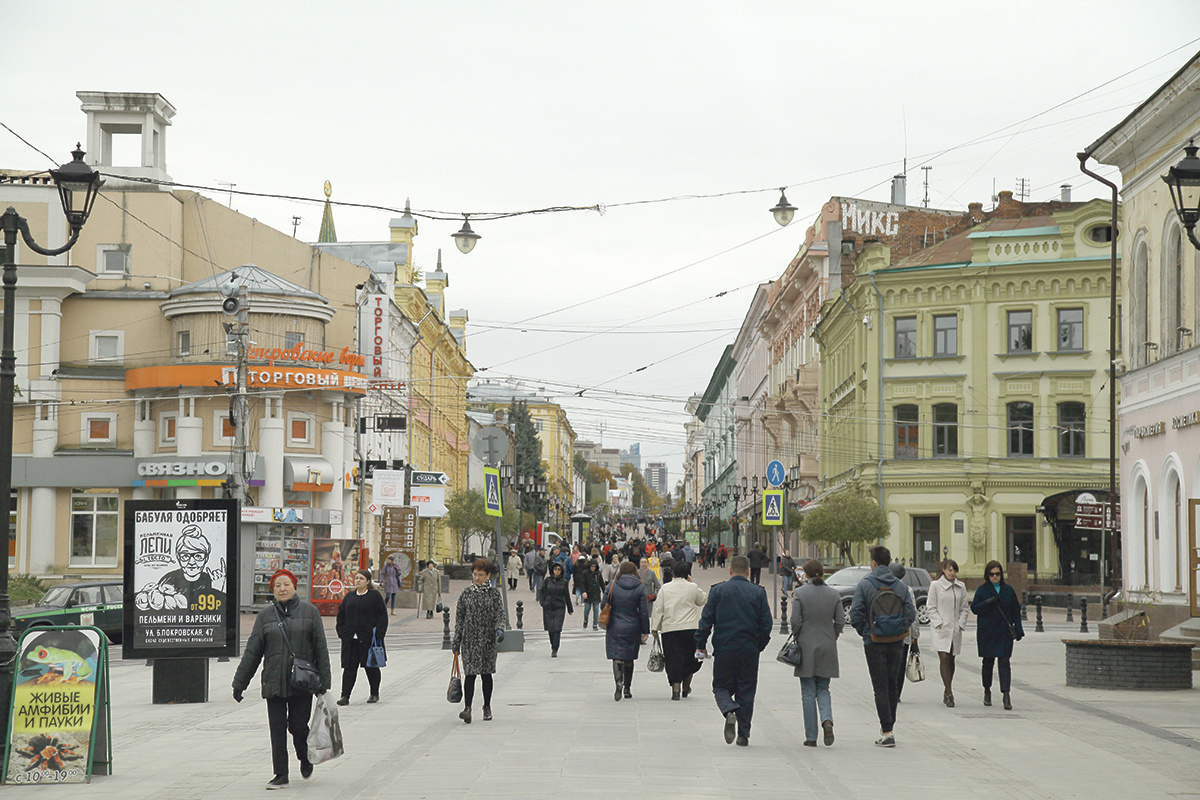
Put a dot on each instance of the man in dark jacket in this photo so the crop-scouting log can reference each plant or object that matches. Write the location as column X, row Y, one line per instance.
column 739, row 618
column 885, row 659
column 758, row 560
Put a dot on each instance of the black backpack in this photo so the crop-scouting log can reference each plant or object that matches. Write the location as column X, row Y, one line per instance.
column 886, row 621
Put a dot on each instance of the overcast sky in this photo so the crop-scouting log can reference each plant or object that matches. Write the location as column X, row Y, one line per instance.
column 505, row 107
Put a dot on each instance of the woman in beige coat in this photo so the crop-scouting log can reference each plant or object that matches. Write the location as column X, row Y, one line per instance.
column 676, row 616
column 949, row 609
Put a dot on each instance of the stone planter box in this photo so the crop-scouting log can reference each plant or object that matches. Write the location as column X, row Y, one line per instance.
column 1099, row 664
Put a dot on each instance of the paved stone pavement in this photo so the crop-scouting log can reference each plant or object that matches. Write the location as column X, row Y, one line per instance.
column 558, row 733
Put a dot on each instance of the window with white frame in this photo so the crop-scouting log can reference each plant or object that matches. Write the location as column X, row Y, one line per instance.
column 98, row 429
column 183, row 343
column 300, row 429
column 112, row 260
column 106, row 347
column 223, row 430
column 94, row 528
column 167, row 424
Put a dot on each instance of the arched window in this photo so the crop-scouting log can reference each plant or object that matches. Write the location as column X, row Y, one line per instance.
column 1020, row 429
column 1173, row 284
column 906, row 432
column 1139, row 314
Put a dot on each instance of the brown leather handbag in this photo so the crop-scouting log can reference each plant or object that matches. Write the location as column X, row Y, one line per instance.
column 602, row 620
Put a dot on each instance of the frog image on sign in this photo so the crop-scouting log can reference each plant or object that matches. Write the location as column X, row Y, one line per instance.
column 189, row 587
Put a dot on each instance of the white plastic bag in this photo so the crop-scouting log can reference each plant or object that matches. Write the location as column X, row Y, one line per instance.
column 324, row 731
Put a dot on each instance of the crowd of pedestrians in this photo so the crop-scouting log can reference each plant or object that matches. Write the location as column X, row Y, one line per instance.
column 637, row 589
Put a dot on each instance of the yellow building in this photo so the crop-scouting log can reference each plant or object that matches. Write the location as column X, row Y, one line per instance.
column 963, row 389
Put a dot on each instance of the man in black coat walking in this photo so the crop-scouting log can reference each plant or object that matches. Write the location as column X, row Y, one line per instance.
column 758, row 560
column 739, row 618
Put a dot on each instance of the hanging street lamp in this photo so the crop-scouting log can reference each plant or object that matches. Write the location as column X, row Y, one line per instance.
column 1184, row 181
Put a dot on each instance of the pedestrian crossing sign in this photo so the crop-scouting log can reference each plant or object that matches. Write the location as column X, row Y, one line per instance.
column 492, row 503
column 772, row 507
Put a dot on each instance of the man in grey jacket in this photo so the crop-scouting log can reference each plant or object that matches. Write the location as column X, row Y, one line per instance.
column 883, row 646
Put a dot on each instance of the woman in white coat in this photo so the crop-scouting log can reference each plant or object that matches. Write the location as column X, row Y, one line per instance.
column 949, row 608
column 676, row 616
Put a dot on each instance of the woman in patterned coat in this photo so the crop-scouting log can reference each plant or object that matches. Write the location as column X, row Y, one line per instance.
column 478, row 623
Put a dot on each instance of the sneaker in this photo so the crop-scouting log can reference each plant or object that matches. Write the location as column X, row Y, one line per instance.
column 595, row 627
column 278, row 782
column 828, row 726
column 730, row 727
column 628, row 694
column 487, row 713
column 343, row 701
column 306, row 769
column 742, row 741
column 887, row 740
column 465, row 715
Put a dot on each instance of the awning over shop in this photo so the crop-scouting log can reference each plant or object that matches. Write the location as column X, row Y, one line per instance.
column 307, row 474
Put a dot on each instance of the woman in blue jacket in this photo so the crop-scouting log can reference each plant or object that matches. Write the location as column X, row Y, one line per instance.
column 999, row 625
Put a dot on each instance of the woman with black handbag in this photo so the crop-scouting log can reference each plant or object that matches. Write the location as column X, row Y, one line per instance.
column 287, row 635
column 362, row 619
column 817, row 622
column 999, row 625
column 676, row 616
column 478, row 626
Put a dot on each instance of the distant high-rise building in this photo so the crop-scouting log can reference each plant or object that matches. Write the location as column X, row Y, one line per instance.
column 656, row 477
column 633, row 456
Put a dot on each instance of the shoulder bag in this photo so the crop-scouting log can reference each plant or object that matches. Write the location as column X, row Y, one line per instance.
column 605, row 612
column 790, row 653
column 304, row 675
column 376, row 656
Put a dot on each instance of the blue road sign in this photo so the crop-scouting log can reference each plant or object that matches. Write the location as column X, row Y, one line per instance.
column 492, row 503
column 775, row 473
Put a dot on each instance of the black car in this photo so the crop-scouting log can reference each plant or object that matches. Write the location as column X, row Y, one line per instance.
column 918, row 580
column 98, row 603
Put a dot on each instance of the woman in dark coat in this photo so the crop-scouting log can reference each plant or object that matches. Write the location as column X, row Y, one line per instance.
column 478, row 622
column 288, row 708
column 362, row 617
column 999, row 624
column 593, row 591
column 555, row 599
column 628, row 625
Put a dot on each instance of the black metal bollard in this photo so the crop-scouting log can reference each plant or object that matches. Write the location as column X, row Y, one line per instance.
column 446, row 645
column 1025, row 606
column 520, row 614
column 1039, row 628
column 1070, row 607
column 1083, row 628
column 783, row 618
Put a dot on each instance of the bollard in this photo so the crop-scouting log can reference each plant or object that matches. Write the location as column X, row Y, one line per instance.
column 1083, row 628
column 520, row 614
column 1039, row 628
column 446, row 645
column 1070, row 607
column 783, row 614
column 1025, row 606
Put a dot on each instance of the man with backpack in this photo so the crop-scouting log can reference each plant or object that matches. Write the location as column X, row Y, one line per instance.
column 882, row 611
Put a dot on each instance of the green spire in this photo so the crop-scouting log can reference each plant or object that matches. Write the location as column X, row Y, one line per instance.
column 328, row 232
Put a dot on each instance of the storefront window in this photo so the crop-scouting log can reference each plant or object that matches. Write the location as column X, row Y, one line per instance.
column 94, row 526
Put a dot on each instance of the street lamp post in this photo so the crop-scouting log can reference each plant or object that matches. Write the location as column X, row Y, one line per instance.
column 78, row 186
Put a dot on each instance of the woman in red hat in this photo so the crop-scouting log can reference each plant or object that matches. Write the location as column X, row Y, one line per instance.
column 288, row 626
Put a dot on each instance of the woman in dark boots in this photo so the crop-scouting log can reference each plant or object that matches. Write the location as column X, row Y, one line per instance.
column 999, row 625
column 555, row 599
column 628, row 625
column 362, row 617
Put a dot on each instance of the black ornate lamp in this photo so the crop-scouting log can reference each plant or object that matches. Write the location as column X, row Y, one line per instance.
column 1183, row 179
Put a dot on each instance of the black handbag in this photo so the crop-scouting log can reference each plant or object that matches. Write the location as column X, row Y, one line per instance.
column 304, row 675
column 790, row 653
column 454, row 692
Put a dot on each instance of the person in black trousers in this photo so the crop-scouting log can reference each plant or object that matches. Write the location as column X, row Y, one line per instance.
column 999, row 625
column 739, row 618
column 758, row 559
column 554, row 596
column 289, row 625
column 361, row 618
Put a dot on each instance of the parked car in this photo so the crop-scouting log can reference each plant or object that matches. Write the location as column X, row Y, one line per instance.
column 98, row 603
column 918, row 580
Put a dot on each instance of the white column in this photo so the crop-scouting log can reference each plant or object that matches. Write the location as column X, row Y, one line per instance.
column 189, row 442
column 39, row 535
column 270, row 455
column 333, row 436
column 145, row 439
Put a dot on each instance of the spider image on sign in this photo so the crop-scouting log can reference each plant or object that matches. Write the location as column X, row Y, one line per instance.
column 44, row 752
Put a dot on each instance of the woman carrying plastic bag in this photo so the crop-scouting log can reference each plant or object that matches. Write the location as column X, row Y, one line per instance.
column 324, row 732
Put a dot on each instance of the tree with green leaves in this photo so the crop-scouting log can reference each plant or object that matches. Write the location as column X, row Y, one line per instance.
column 527, row 453
column 844, row 519
column 643, row 496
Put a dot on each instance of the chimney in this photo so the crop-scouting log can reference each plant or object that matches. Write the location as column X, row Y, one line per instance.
column 975, row 211
column 1005, row 199
column 898, row 190
column 1065, row 193
column 458, row 326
